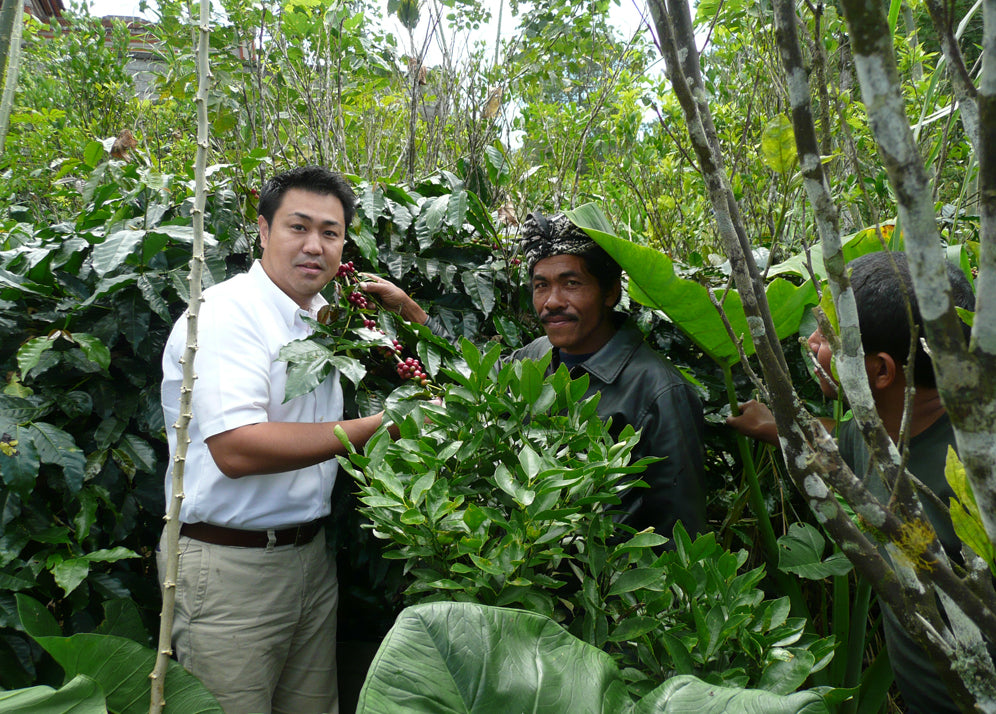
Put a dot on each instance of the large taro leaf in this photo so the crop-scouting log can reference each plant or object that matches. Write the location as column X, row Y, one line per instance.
column 653, row 282
column 81, row 695
column 852, row 246
column 120, row 665
column 463, row 657
column 686, row 693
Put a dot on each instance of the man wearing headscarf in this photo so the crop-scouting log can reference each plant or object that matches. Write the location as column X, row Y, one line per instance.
column 575, row 288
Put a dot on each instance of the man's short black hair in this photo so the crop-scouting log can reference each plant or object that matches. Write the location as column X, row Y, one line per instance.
column 314, row 179
column 603, row 266
column 882, row 285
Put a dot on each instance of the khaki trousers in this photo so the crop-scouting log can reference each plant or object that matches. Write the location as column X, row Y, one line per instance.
column 258, row 625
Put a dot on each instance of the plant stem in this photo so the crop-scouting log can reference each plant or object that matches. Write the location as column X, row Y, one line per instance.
column 855, row 639
column 165, row 649
column 769, row 544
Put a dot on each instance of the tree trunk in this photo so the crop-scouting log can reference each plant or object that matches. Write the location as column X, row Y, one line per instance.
column 11, row 26
column 811, row 455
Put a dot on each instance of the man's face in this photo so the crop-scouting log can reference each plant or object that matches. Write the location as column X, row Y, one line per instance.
column 303, row 246
column 574, row 310
column 821, row 350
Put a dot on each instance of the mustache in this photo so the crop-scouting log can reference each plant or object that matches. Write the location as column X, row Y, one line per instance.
column 546, row 316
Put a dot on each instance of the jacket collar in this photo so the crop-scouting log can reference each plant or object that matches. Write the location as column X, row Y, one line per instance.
column 608, row 363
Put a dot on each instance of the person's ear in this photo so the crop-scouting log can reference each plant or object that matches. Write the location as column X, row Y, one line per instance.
column 882, row 370
column 264, row 231
column 614, row 295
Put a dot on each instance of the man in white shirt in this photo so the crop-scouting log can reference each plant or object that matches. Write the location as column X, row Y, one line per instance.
column 256, row 589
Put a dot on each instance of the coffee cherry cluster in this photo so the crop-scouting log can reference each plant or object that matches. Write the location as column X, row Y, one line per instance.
column 345, row 269
column 359, row 300
column 411, row 368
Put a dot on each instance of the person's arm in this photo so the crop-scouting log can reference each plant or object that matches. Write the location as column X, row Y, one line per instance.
column 394, row 299
column 757, row 422
column 274, row 447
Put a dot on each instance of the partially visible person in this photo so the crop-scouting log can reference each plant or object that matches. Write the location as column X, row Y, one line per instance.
column 575, row 288
column 882, row 285
column 256, row 589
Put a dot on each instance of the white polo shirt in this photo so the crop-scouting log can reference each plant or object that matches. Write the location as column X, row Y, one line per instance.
column 242, row 325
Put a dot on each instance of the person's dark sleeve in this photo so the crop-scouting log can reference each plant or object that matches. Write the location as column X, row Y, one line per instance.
column 437, row 328
column 673, row 429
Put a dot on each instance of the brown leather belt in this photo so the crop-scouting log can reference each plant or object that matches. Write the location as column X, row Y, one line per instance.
column 219, row 535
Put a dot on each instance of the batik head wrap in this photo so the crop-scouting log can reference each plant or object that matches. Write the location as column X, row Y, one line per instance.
column 557, row 235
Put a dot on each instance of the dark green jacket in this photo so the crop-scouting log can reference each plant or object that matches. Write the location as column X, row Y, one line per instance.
column 641, row 388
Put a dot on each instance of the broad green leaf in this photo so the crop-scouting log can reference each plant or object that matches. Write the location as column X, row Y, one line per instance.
column 530, row 381
column 93, row 152
column 634, row 627
column 36, row 619
column 350, row 368
column 366, row 241
column 108, row 286
column 151, row 287
column 122, row 668
column 686, row 693
column 445, row 657
column 481, row 289
column 69, row 574
column 431, row 357
column 637, row 578
column 20, row 469
column 141, row 454
column 308, row 367
column 430, row 219
column 778, row 150
column 653, row 282
column 457, row 208
column 57, row 447
column 785, row 676
column 474, row 517
column 81, row 695
column 530, row 461
column 95, row 350
column 31, row 351
column 122, row 618
column 967, row 316
column 800, row 552
column 498, row 165
column 412, row 517
column 120, row 665
column 965, row 514
column 864, row 241
column 115, row 250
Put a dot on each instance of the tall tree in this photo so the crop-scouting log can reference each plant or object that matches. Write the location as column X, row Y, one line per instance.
column 954, row 626
column 11, row 23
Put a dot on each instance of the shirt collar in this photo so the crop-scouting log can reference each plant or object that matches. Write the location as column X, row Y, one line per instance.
column 282, row 302
column 608, row 363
